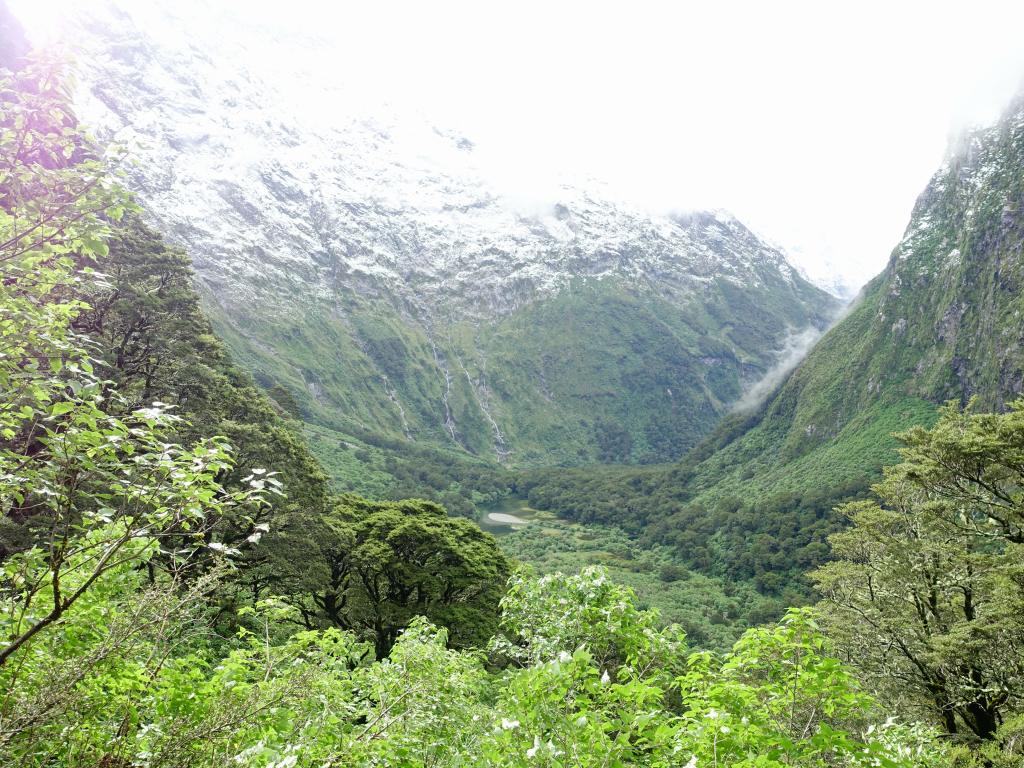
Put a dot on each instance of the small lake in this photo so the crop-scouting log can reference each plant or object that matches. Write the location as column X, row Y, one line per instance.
column 505, row 516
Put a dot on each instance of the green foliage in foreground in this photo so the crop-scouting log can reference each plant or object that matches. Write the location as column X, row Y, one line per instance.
column 926, row 595
column 583, row 678
column 713, row 611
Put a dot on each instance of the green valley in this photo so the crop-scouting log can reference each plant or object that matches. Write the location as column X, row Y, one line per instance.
column 942, row 322
column 322, row 448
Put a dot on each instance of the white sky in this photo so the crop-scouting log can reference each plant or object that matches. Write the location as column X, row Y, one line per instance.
column 817, row 123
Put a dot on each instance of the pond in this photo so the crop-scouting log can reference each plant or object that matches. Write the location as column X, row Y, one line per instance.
column 509, row 514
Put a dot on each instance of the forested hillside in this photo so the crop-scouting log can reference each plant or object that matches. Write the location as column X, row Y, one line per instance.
column 181, row 583
column 942, row 322
column 402, row 297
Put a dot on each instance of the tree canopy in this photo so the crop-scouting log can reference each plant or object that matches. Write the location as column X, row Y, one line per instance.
column 927, row 591
column 376, row 565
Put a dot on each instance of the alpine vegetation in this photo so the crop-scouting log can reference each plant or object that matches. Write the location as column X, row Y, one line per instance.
column 353, row 463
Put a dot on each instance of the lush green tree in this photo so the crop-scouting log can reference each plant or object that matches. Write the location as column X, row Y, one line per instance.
column 971, row 466
column 152, row 341
column 155, row 343
column 376, row 565
column 93, row 487
column 926, row 595
column 781, row 699
column 546, row 616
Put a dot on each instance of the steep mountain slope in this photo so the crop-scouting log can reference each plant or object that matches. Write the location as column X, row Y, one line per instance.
column 369, row 272
column 943, row 321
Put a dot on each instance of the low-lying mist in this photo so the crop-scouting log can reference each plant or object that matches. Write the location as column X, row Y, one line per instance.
column 794, row 349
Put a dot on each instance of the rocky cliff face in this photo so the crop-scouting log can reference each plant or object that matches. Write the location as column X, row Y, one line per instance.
column 944, row 321
column 363, row 261
column 952, row 294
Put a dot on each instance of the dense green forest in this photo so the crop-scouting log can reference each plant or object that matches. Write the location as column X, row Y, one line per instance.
column 180, row 585
column 755, row 500
column 602, row 372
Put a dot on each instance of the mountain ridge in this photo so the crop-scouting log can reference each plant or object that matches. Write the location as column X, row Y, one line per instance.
column 343, row 265
column 942, row 322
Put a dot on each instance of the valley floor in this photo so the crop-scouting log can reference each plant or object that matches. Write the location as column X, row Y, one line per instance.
column 714, row 611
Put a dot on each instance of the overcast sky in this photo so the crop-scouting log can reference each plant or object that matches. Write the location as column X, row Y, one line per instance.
column 817, row 123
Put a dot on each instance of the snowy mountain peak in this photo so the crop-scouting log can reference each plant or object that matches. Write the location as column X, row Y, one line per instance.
column 263, row 187
column 397, row 279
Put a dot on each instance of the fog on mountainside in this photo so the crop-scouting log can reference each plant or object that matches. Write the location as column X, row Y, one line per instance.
column 402, row 296
column 329, row 438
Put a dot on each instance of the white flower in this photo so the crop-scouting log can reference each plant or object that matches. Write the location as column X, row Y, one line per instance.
column 605, row 678
column 712, row 714
column 564, row 656
column 509, row 725
column 724, row 729
column 692, row 763
column 532, row 751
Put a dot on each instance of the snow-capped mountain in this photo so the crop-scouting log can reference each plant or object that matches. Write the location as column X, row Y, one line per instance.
column 364, row 258
column 257, row 192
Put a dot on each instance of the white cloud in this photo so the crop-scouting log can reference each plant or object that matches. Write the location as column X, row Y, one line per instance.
column 794, row 349
column 816, row 123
